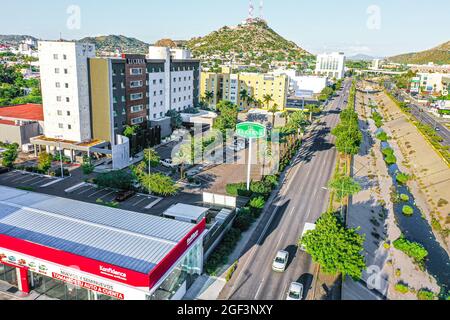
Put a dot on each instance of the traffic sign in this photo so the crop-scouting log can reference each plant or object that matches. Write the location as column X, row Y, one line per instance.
column 250, row 130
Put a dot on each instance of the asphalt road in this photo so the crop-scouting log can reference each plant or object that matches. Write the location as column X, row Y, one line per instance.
column 426, row 118
column 303, row 198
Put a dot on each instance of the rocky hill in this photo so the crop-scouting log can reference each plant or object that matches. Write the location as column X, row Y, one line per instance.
column 438, row 55
column 14, row 39
column 113, row 43
column 250, row 43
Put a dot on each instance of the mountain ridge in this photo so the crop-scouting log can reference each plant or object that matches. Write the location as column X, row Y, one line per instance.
column 438, row 55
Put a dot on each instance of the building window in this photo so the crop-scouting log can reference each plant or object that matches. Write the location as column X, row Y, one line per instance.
column 174, row 79
column 55, row 57
column 154, row 105
column 58, row 85
column 154, row 81
column 160, row 92
column 136, row 96
column 154, row 116
column 64, row 57
column 68, row 113
column 56, row 70
column 137, row 120
column 59, row 112
column 60, row 125
column 160, row 81
column 136, row 84
column 67, row 86
column 67, row 99
column 58, row 98
column 137, row 108
column 66, row 71
column 135, row 71
column 69, row 127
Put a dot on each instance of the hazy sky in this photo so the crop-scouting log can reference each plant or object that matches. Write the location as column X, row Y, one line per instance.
column 373, row 27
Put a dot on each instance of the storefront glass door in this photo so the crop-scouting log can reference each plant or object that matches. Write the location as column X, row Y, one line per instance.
column 8, row 274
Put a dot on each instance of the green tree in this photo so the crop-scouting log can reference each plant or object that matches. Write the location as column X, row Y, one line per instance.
column 129, row 131
column 45, row 161
column 184, row 157
column 10, row 155
column 150, row 155
column 348, row 138
column 159, row 184
column 344, row 186
column 335, row 248
column 298, row 120
column 273, row 110
column 175, row 119
column 209, row 95
column 228, row 116
column 116, row 180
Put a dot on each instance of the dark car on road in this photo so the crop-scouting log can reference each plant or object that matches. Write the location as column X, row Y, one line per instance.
column 124, row 196
column 4, row 170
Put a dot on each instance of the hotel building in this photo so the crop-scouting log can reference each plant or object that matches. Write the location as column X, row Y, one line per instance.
column 331, row 65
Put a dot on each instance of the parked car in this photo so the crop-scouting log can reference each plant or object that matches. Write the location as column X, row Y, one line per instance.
column 295, row 291
column 4, row 170
column 168, row 163
column 124, row 196
column 280, row 262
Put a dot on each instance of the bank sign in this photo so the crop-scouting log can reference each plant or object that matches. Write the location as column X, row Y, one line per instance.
column 73, row 276
column 250, row 130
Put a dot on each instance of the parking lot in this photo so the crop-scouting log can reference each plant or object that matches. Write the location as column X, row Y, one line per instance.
column 91, row 193
column 19, row 179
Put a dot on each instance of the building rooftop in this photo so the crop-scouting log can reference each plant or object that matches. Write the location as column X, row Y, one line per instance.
column 122, row 238
column 32, row 112
column 185, row 211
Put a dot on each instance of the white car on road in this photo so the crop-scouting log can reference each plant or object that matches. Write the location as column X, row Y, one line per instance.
column 280, row 262
column 295, row 291
column 168, row 163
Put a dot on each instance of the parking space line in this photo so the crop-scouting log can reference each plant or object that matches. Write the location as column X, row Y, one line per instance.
column 140, row 201
column 36, row 183
column 86, row 190
column 20, row 178
column 104, row 196
column 29, row 180
column 97, row 192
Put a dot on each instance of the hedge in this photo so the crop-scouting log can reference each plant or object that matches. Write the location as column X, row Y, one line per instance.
column 424, row 294
column 412, row 249
column 402, row 288
column 408, row 211
column 402, row 178
column 220, row 255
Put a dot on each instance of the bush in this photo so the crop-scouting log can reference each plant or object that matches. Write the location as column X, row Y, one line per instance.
column 244, row 220
column 231, row 271
column 238, row 189
column 402, row 288
column 382, row 136
column 425, row 294
column 391, row 159
column 220, row 255
column 261, row 187
column 402, row 178
column 115, row 179
column 257, row 203
column 408, row 211
column 412, row 249
column 404, row 197
column 388, row 152
column 57, row 173
column 272, row 180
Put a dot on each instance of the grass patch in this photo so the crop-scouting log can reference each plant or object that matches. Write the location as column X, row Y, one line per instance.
column 390, row 160
column 382, row 136
column 26, row 188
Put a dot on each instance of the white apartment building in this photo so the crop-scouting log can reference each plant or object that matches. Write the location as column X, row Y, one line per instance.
column 434, row 82
column 331, row 65
column 65, row 89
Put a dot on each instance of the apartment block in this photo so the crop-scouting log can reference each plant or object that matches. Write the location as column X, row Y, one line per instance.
column 65, row 89
column 331, row 65
column 229, row 86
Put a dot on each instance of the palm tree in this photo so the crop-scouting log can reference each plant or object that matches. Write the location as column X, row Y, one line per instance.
column 273, row 110
column 268, row 98
column 183, row 157
column 209, row 95
column 285, row 115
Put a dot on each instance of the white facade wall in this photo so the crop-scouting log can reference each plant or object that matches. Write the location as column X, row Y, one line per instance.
column 432, row 82
column 157, row 96
column 309, row 83
column 331, row 65
column 182, row 90
column 65, row 89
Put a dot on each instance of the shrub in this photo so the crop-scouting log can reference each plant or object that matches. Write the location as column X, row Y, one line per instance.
column 402, row 288
column 382, row 136
column 412, row 249
column 238, row 189
column 402, row 178
column 408, row 211
column 388, row 152
column 272, row 180
column 425, row 294
column 26, row 188
column 115, row 179
column 261, row 187
column 391, row 159
column 404, row 197
column 57, row 173
column 257, row 203
column 45, row 161
column 220, row 255
column 231, row 271
column 243, row 220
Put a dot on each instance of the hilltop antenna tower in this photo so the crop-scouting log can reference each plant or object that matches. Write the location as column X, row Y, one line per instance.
column 251, row 8
column 261, row 9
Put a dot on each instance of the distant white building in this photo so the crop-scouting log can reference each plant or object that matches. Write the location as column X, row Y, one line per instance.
column 331, row 65
column 314, row 84
column 65, row 89
column 434, row 82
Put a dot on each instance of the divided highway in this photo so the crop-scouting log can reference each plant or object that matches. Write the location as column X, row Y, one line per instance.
column 302, row 199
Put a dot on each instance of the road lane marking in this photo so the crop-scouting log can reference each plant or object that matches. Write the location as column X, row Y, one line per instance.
column 106, row 195
column 259, row 290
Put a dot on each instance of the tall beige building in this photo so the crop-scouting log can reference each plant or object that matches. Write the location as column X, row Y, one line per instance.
column 215, row 87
